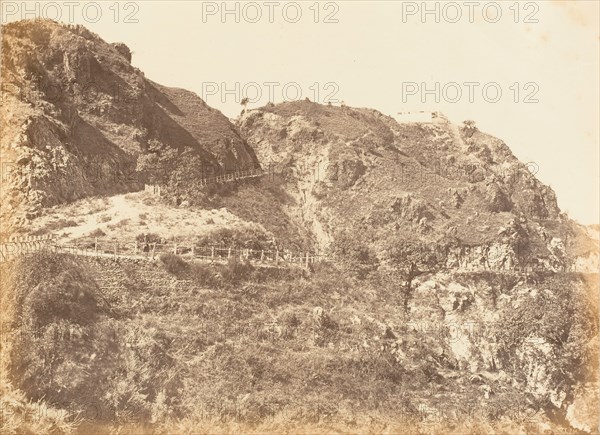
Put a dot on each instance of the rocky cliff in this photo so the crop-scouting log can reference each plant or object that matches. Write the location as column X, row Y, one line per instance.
column 76, row 114
column 358, row 174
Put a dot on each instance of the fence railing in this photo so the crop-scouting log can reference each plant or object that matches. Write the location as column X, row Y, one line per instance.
column 238, row 175
column 151, row 251
column 223, row 178
column 208, row 253
column 20, row 245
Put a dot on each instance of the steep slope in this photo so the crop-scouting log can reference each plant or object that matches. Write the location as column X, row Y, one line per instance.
column 362, row 178
column 76, row 114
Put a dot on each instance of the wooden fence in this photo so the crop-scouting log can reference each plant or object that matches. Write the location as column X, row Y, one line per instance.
column 233, row 176
column 152, row 251
column 19, row 245
column 223, row 178
column 194, row 252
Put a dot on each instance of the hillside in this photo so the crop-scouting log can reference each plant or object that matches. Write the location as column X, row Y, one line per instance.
column 176, row 347
column 358, row 176
column 76, row 114
column 450, row 293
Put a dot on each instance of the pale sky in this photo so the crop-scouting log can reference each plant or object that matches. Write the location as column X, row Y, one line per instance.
column 373, row 52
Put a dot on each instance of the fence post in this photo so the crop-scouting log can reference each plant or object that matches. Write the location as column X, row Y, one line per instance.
column 262, row 254
column 229, row 252
column 212, row 252
column 307, row 260
column 175, row 249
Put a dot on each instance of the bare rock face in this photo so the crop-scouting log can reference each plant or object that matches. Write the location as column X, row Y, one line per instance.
column 497, row 200
column 500, row 327
column 347, row 172
column 409, row 208
column 582, row 414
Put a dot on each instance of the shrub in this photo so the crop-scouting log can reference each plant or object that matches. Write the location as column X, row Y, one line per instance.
column 103, row 218
column 60, row 321
column 53, row 287
column 174, row 264
column 236, row 271
column 289, row 319
column 150, row 238
column 355, row 254
column 248, row 236
column 97, row 233
column 203, row 274
column 565, row 318
column 123, row 49
column 59, row 224
column 122, row 223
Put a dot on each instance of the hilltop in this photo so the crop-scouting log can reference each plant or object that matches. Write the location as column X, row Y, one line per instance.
column 360, row 180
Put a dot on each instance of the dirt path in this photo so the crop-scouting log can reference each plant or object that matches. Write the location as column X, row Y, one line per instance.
column 118, row 206
column 127, row 215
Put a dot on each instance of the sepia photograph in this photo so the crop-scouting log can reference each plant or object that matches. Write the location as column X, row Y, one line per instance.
column 299, row 217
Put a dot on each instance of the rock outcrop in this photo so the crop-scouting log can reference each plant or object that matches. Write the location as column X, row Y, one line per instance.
column 357, row 168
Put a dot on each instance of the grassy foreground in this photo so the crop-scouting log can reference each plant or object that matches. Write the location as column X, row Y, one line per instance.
column 95, row 346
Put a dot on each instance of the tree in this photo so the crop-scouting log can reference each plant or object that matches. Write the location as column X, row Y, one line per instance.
column 354, row 253
column 412, row 259
column 244, row 103
column 469, row 124
column 469, row 127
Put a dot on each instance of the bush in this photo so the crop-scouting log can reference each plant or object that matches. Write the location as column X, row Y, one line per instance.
column 355, row 254
column 103, row 218
column 97, row 233
column 59, row 224
column 150, row 238
column 564, row 317
column 174, row 264
column 59, row 321
column 203, row 274
column 69, row 298
column 248, row 236
column 53, row 287
column 122, row 223
column 236, row 271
